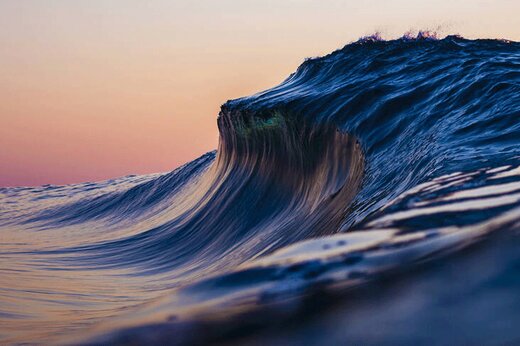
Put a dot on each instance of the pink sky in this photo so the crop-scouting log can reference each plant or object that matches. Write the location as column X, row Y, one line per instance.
column 92, row 90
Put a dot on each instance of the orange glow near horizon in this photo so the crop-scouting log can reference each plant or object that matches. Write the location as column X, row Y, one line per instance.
column 93, row 90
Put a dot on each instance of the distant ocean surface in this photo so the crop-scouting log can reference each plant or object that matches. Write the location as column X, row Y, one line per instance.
column 373, row 197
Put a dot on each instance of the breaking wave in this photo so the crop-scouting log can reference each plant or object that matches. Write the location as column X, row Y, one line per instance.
column 362, row 168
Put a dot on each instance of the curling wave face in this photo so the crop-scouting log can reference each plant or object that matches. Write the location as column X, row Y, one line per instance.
column 361, row 166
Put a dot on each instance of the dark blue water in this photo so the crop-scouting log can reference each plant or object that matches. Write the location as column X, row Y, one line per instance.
column 372, row 197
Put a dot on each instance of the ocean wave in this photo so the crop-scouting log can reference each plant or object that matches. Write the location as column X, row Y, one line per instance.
column 362, row 165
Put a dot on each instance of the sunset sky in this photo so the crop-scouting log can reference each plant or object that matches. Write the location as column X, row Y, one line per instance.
column 93, row 89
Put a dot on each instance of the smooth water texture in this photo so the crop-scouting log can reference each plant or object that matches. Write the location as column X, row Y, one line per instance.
column 361, row 170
